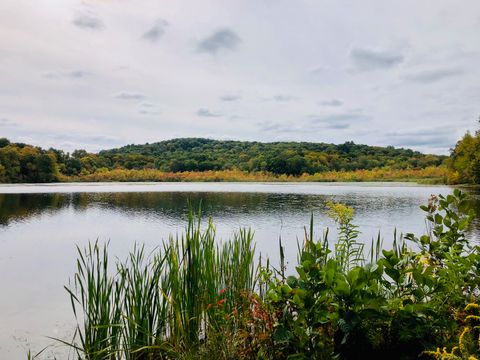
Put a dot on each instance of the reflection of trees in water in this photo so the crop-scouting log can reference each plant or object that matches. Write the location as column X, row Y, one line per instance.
column 15, row 207
column 474, row 193
column 19, row 207
column 217, row 205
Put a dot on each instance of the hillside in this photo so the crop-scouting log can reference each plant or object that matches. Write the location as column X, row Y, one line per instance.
column 26, row 163
column 292, row 158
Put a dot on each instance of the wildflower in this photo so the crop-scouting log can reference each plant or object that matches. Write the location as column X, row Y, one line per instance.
column 473, row 318
column 432, row 203
column 472, row 306
column 424, row 260
column 221, row 292
column 461, row 341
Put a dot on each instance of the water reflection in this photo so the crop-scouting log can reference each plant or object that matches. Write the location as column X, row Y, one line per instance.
column 175, row 205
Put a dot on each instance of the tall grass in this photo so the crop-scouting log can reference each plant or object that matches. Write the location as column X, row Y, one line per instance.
column 162, row 304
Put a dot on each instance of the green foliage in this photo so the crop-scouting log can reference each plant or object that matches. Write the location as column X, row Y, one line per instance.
column 394, row 306
column 291, row 158
column 24, row 163
column 464, row 161
column 20, row 163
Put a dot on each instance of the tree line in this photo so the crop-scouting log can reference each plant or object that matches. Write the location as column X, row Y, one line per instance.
column 26, row 163
column 464, row 161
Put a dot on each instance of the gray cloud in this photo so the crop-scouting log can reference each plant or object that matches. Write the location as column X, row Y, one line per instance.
column 333, row 102
column 148, row 108
column 73, row 74
column 271, row 127
column 94, row 138
column 318, row 70
column 338, row 121
column 148, row 112
column 367, row 59
column 207, row 113
column 68, row 140
column 147, row 104
column 430, row 76
column 223, row 39
column 236, row 117
column 283, row 98
column 156, row 31
column 130, row 96
column 433, row 138
column 4, row 122
column 87, row 20
column 230, row 97
column 79, row 140
column 315, row 123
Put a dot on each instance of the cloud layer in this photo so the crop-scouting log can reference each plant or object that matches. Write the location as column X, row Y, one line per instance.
column 96, row 74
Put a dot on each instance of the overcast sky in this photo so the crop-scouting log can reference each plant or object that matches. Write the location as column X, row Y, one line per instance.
column 100, row 74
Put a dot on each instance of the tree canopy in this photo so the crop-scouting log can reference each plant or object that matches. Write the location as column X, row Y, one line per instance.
column 26, row 163
column 464, row 161
column 292, row 158
column 21, row 163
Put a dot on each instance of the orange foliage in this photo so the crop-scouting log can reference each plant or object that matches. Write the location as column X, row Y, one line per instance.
column 382, row 174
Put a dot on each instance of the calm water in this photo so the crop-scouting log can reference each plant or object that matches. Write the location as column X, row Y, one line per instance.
column 41, row 224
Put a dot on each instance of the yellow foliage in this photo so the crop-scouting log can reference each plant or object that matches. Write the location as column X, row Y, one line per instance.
column 468, row 347
column 384, row 174
column 340, row 213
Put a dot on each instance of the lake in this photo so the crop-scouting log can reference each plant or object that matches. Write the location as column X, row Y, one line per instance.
column 41, row 224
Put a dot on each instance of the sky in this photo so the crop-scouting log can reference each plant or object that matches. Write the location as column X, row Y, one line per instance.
column 100, row 74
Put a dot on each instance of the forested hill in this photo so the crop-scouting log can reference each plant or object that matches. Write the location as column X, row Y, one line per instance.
column 26, row 163
column 293, row 158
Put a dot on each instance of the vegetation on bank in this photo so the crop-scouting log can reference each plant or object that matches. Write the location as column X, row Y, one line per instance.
column 211, row 160
column 196, row 298
column 205, row 160
column 431, row 174
column 21, row 163
column 289, row 158
column 464, row 162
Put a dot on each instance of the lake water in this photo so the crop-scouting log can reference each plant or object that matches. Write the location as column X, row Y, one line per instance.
column 41, row 224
